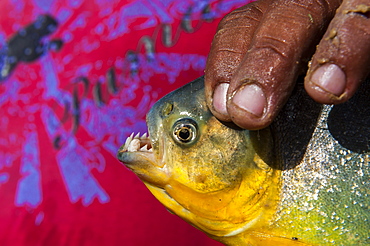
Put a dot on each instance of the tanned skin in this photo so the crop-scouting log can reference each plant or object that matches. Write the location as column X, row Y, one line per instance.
column 261, row 48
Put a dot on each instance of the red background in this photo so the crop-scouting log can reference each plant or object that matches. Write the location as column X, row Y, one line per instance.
column 33, row 106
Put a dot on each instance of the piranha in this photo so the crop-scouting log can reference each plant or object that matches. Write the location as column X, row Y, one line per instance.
column 302, row 181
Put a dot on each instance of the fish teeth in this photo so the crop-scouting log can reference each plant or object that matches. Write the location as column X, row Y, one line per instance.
column 134, row 145
column 128, row 140
column 144, row 148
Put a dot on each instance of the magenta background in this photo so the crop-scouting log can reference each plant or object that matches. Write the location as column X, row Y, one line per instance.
column 79, row 194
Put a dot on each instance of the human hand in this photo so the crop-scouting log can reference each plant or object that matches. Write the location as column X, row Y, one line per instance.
column 260, row 49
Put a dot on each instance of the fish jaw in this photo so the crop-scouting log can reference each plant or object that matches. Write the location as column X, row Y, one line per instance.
column 138, row 156
column 228, row 215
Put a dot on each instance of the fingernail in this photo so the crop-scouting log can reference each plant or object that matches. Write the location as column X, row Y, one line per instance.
column 330, row 78
column 219, row 98
column 251, row 98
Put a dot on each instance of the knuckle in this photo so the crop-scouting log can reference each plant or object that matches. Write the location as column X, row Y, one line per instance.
column 230, row 41
column 276, row 45
column 241, row 16
column 326, row 5
column 317, row 10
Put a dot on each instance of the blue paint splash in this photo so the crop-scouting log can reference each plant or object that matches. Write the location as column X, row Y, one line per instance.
column 73, row 162
column 51, row 81
column 45, row 5
column 171, row 64
column 28, row 191
column 4, row 177
column 39, row 218
column 80, row 183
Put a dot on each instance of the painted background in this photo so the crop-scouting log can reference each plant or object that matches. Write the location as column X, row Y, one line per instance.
column 76, row 78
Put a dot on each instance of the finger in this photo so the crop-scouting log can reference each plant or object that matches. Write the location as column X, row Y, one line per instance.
column 229, row 45
column 342, row 59
column 265, row 77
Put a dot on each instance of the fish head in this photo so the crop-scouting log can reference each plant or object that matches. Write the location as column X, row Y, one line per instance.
column 198, row 167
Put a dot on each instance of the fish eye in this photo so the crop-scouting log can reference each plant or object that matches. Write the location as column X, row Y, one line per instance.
column 185, row 131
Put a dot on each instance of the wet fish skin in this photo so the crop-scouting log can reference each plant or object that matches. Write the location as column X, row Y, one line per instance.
column 290, row 184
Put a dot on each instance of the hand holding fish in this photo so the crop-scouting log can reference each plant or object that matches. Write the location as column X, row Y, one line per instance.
column 302, row 181
column 260, row 49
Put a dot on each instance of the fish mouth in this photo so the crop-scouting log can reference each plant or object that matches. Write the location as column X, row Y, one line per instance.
column 137, row 155
column 137, row 143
